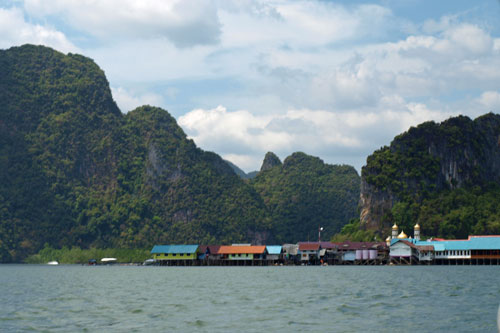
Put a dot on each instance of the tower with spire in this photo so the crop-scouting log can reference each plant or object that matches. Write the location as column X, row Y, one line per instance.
column 394, row 231
column 416, row 232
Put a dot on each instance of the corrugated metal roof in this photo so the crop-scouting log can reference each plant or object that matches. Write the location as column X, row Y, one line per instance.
column 214, row 249
column 309, row 246
column 328, row 245
column 273, row 249
column 425, row 248
column 405, row 241
column 252, row 249
column 350, row 246
column 472, row 243
column 174, row 249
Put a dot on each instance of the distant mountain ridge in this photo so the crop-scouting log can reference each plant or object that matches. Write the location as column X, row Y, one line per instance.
column 303, row 193
column 75, row 171
column 240, row 172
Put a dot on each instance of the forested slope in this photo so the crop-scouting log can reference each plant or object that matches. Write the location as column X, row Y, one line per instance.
column 446, row 177
column 75, row 171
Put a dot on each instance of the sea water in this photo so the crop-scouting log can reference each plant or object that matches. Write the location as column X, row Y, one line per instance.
column 72, row 298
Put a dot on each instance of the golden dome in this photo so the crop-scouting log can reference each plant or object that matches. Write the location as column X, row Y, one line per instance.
column 388, row 239
column 416, row 227
column 402, row 235
column 394, row 227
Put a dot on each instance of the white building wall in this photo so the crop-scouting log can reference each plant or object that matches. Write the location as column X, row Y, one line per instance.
column 453, row 254
column 400, row 250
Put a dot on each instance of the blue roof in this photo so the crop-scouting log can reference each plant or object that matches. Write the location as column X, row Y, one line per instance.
column 473, row 243
column 174, row 249
column 273, row 249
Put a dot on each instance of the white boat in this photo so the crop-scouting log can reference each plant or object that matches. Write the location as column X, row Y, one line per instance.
column 108, row 260
column 54, row 262
column 148, row 262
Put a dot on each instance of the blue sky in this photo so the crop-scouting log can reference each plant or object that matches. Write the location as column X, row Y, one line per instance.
column 334, row 79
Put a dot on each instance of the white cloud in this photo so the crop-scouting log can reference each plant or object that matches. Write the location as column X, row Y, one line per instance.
column 334, row 80
column 127, row 101
column 223, row 131
column 490, row 101
column 184, row 22
column 14, row 30
column 244, row 138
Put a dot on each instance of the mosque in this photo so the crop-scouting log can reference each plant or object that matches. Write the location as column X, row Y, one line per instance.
column 476, row 250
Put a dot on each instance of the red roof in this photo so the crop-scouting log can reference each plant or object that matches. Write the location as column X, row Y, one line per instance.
column 309, row 246
column 212, row 249
column 242, row 249
column 328, row 245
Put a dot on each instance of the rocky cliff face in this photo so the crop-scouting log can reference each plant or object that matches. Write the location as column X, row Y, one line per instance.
column 427, row 159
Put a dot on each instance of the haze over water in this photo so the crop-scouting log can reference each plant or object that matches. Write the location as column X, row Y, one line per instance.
column 249, row 299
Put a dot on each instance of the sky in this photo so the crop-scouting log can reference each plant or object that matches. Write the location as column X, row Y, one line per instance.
column 333, row 79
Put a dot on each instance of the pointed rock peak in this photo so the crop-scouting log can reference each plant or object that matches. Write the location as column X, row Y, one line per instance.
column 270, row 161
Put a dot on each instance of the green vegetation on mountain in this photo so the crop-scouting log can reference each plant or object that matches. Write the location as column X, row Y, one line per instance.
column 446, row 177
column 75, row 171
column 78, row 176
column 242, row 174
column 353, row 232
column 304, row 193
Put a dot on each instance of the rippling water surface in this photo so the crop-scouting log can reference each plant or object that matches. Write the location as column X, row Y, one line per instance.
column 251, row 299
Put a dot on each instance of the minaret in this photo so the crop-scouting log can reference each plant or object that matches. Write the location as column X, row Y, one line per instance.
column 416, row 232
column 394, row 231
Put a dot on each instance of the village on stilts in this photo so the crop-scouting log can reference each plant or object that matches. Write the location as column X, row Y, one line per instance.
column 398, row 249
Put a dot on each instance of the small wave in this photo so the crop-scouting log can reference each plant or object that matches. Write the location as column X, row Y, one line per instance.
column 344, row 308
column 198, row 323
column 291, row 323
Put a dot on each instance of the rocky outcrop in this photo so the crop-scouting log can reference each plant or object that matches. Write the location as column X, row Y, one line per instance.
column 432, row 157
column 270, row 161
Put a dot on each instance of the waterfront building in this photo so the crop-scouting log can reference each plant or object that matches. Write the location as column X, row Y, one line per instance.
column 175, row 252
column 290, row 251
column 357, row 251
column 208, row 252
column 274, row 252
column 309, row 251
column 474, row 250
column 242, row 252
column 328, row 251
column 406, row 251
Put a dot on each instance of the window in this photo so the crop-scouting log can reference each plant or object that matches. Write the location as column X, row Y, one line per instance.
column 174, row 254
column 182, row 254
